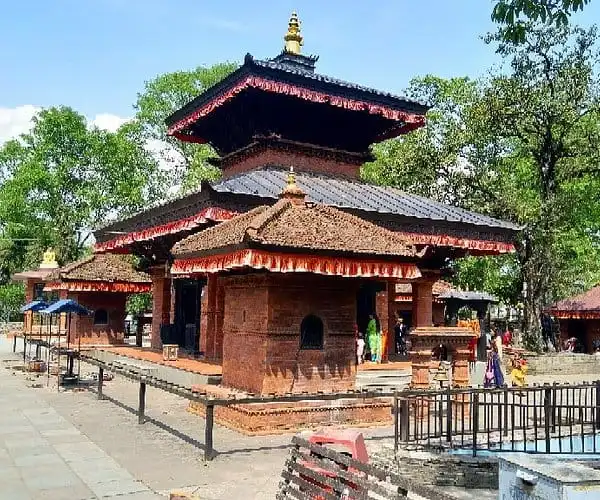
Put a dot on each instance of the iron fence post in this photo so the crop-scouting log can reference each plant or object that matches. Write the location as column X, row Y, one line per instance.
column 597, row 403
column 475, row 417
column 547, row 414
column 505, row 418
column 448, row 415
column 208, row 432
column 142, row 401
column 404, row 420
column 100, row 381
column 395, row 409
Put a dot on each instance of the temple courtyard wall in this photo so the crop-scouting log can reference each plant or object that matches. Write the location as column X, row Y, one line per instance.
column 106, row 324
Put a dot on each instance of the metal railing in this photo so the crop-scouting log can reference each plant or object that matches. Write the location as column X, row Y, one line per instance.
column 560, row 419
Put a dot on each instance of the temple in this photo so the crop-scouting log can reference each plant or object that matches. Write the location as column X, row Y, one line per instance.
column 100, row 282
column 269, row 276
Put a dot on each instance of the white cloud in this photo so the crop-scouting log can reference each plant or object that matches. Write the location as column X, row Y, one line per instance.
column 109, row 121
column 17, row 121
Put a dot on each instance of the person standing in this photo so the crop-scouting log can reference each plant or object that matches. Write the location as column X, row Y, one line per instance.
column 373, row 338
column 360, row 349
column 399, row 334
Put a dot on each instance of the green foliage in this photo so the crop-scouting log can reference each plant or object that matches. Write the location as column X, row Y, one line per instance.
column 63, row 178
column 161, row 97
column 139, row 303
column 516, row 15
column 12, row 297
column 522, row 146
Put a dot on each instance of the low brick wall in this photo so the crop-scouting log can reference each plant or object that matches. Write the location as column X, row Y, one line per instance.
column 442, row 469
column 276, row 418
column 563, row 363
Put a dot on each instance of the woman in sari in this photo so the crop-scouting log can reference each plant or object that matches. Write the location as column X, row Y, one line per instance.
column 493, row 373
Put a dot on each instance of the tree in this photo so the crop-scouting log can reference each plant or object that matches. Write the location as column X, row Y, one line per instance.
column 12, row 297
column 161, row 97
column 515, row 15
column 520, row 146
column 63, row 178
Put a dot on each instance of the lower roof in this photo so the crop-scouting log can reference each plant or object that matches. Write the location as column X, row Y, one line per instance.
column 440, row 224
column 584, row 305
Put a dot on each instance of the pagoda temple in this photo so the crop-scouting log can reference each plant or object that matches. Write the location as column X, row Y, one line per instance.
column 265, row 117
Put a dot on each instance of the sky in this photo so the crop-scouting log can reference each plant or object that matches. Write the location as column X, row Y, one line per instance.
column 95, row 55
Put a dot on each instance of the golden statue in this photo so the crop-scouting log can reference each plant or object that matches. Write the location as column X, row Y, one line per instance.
column 293, row 38
column 49, row 260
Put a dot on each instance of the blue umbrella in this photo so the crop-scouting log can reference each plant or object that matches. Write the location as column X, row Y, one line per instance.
column 66, row 306
column 33, row 306
column 69, row 306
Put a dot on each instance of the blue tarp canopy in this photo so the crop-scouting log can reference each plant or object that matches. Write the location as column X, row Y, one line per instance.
column 66, row 306
column 35, row 306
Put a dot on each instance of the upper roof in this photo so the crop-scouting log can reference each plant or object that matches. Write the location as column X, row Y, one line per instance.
column 100, row 267
column 466, row 296
column 585, row 302
column 352, row 194
column 294, row 224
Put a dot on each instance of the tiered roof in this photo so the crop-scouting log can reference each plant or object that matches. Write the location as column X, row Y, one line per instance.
column 100, row 272
column 291, row 231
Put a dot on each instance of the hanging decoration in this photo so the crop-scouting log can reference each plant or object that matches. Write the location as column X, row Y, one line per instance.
column 295, row 263
column 410, row 121
column 98, row 286
column 122, row 242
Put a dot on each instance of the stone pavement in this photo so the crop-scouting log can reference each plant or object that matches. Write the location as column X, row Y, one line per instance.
column 43, row 456
column 94, row 449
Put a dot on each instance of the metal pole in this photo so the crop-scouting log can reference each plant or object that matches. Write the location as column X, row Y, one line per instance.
column 475, row 421
column 448, row 416
column 142, row 401
column 58, row 356
column 597, row 404
column 547, row 415
column 15, row 342
column 395, row 409
column 100, row 381
column 208, row 432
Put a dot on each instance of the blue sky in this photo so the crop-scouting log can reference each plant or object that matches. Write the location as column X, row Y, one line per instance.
column 95, row 55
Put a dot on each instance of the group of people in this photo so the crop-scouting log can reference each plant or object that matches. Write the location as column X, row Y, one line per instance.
column 375, row 343
column 494, row 372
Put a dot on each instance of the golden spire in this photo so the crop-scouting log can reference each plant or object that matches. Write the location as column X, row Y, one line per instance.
column 291, row 191
column 293, row 38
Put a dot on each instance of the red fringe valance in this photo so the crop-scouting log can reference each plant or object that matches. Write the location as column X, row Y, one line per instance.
column 410, row 120
column 401, row 297
column 485, row 246
column 211, row 213
column 575, row 314
column 291, row 263
column 99, row 286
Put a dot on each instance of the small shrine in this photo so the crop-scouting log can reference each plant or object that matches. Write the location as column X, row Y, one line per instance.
column 579, row 317
column 34, row 281
column 101, row 283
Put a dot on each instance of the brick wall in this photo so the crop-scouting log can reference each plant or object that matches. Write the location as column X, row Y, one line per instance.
column 300, row 161
column 261, row 332
column 111, row 333
column 563, row 363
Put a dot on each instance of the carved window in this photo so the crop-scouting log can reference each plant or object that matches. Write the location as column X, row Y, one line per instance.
column 100, row 317
column 311, row 332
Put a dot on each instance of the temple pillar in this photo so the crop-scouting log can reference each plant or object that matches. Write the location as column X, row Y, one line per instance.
column 161, row 304
column 460, row 367
column 208, row 307
column 382, row 310
column 422, row 303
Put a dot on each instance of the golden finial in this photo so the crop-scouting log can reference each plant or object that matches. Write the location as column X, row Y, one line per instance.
column 291, row 191
column 49, row 260
column 293, row 38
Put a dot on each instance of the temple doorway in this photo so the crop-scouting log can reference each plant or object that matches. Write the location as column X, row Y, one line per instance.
column 366, row 303
column 187, row 313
